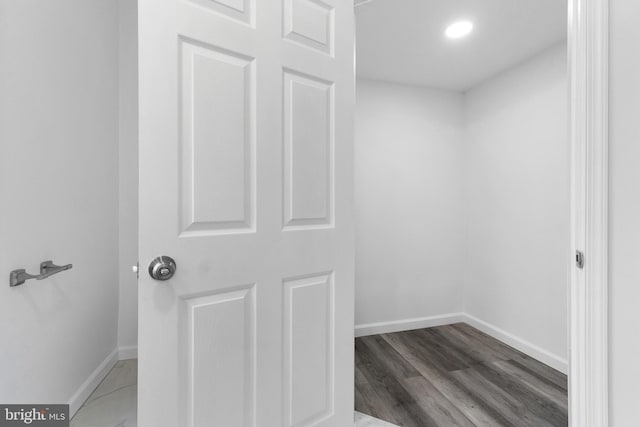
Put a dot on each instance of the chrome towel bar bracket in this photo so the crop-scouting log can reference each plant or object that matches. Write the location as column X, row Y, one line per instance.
column 47, row 269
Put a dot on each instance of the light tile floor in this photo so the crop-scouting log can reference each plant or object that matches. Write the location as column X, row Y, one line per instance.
column 114, row 402
column 363, row 420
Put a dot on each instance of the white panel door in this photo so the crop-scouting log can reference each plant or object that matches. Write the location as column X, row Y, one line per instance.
column 246, row 128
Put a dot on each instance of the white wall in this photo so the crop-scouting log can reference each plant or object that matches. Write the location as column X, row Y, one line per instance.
column 517, row 195
column 462, row 205
column 128, row 177
column 58, row 186
column 408, row 189
column 624, row 214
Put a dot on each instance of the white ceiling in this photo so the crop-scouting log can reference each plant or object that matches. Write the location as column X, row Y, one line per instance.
column 403, row 40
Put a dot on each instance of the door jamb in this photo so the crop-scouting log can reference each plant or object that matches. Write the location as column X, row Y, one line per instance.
column 588, row 39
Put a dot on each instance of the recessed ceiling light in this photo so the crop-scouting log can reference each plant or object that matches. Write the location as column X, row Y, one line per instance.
column 459, row 29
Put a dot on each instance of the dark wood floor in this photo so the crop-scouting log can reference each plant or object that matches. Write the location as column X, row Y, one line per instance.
column 455, row 375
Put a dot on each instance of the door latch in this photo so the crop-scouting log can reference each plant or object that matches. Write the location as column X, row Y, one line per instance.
column 579, row 259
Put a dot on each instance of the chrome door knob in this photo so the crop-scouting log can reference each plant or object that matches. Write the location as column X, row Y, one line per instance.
column 162, row 268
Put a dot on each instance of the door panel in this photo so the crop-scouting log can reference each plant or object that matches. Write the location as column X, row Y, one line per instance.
column 308, row 150
column 308, row 359
column 221, row 379
column 241, row 10
column 217, row 140
column 310, row 23
column 246, row 129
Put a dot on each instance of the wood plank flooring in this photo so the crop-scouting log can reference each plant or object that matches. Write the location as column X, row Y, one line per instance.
column 455, row 375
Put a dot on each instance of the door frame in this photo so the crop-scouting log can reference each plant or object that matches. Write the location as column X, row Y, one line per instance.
column 588, row 60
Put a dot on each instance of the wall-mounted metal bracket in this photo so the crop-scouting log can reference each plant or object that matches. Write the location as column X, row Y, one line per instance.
column 47, row 269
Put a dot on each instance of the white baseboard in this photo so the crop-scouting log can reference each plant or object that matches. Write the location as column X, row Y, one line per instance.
column 544, row 356
column 407, row 324
column 96, row 377
column 128, row 352
column 524, row 346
